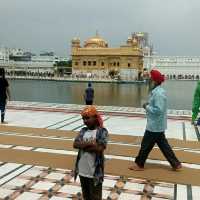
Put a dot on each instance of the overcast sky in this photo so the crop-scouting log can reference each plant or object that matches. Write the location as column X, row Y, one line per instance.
column 49, row 25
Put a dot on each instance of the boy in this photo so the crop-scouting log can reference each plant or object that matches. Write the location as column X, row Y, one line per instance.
column 91, row 142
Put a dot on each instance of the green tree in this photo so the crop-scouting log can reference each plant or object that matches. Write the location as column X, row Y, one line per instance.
column 63, row 67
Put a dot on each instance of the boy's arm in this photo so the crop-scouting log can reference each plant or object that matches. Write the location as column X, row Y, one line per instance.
column 77, row 142
column 95, row 147
column 99, row 146
column 80, row 144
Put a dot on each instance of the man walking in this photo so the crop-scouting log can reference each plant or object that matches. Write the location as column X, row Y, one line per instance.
column 156, row 111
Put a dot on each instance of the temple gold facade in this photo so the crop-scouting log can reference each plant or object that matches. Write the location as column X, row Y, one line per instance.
column 97, row 59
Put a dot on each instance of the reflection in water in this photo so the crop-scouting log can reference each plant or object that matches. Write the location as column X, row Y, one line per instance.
column 179, row 92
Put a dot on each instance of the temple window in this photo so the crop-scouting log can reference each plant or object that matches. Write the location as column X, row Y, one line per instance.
column 76, row 63
column 102, row 63
column 89, row 63
column 84, row 63
column 94, row 63
column 129, row 64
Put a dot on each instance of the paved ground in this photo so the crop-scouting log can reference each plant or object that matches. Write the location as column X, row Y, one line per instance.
column 36, row 154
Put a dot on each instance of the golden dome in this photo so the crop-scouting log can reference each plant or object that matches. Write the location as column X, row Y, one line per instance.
column 96, row 42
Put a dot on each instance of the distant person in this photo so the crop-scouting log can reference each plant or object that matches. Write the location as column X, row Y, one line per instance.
column 89, row 94
column 156, row 111
column 4, row 93
column 196, row 104
column 91, row 142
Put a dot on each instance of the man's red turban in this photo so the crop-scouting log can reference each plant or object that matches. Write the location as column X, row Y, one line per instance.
column 156, row 76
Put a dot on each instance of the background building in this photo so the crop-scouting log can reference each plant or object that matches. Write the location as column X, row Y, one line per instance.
column 144, row 43
column 4, row 54
column 18, row 62
column 96, row 59
column 175, row 67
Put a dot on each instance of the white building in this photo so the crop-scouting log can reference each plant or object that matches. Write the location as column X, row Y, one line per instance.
column 4, row 54
column 35, row 64
column 175, row 67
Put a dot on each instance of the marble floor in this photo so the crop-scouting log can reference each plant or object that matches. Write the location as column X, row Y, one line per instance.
column 30, row 182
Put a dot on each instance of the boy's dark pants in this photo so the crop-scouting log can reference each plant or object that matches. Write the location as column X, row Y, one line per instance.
column 89, row 190
column 148, row 142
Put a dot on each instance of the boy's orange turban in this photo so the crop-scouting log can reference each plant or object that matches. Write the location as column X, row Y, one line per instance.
column 91, row 111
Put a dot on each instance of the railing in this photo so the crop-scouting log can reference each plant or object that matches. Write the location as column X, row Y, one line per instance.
column 66, row 78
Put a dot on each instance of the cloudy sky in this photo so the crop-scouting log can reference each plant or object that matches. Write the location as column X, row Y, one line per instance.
column 40, row 25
